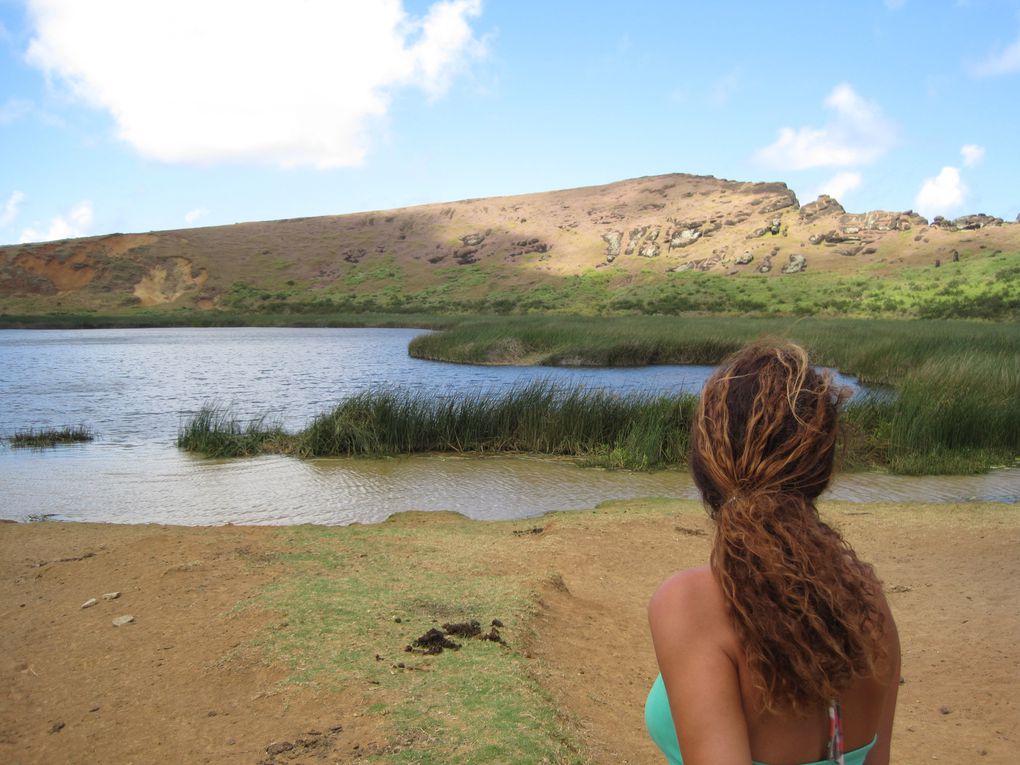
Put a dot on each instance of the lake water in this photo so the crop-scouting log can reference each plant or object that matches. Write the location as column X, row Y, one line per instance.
column 135, row 387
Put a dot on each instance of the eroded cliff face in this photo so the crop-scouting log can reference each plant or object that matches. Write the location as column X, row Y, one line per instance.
column 628, row 230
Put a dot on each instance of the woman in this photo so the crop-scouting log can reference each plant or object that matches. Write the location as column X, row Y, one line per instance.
column 781, row 650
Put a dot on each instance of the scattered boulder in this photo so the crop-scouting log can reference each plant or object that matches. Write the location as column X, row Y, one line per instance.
column 816, row 238
column 121, row 621
column 472, row 240
column 649, row 251
column 797, row 264
column 111, row 595
column 685, row 235
column 766, row 265
column 89, row 603
column 744, row 259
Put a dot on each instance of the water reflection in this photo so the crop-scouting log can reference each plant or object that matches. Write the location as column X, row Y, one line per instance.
column 158, row 485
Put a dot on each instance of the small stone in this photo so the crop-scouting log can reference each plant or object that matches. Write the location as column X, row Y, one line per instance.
column 94, row 709
column 279, row 748
column 120, row 621
column 57, row 727
column 111, row 595
column 231, row 742
column 397, row 619
column 945, row 710
column 211, row 713
column 89, row 603
column 497, row 623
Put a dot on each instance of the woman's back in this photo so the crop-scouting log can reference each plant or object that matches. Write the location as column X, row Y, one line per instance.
column 689, row 610
column 786, row 622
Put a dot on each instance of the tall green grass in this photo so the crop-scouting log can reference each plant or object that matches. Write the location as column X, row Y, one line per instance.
column 633, row 431
column 955, row 408
column 637, row 431
column 215, row 432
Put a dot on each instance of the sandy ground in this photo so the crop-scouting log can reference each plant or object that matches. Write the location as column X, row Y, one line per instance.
column 171, row 688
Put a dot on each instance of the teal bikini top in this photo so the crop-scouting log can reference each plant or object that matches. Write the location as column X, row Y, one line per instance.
column 659, row 721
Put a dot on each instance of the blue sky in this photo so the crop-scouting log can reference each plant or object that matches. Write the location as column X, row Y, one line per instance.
column 137, row 115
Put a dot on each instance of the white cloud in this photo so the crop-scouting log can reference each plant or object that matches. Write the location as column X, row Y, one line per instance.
column 942, row 194
column 11, row 208
column 75, row 223
column 193, row 215
column 972, row 154
column 1006, row 61
column 840, row 184
column 856, row 134
column 198, row 81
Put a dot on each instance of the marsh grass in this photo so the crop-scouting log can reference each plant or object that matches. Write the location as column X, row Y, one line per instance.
column 643, row 431
column 47, row 437
column 954, row 407
column 340, row 596
column 215, row 432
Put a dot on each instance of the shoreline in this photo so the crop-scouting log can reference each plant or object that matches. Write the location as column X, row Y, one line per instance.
column 229, row 656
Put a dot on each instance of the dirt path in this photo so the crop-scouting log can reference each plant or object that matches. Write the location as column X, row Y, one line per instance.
column 171, row 688
column 165, row 688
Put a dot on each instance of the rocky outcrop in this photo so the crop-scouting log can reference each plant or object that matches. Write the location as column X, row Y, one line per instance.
column 472, row 240
column 821, row 207
column 966, row 222
column 744, row 259
column 880, row 221
column 650, row 250
column 613, row 239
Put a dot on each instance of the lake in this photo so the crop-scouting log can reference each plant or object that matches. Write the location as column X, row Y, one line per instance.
column 135, row 387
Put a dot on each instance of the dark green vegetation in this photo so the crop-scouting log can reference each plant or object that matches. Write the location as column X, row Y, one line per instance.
column 47, row 437
column 599, row 427
column 348, row 608
column 215, row 433
column 956, row 406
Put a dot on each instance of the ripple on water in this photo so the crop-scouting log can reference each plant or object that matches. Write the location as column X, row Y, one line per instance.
column 119, row 484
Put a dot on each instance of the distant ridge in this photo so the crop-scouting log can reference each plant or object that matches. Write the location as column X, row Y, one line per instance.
column 481, row 251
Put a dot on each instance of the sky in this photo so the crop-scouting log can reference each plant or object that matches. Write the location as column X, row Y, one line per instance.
column 139, row 115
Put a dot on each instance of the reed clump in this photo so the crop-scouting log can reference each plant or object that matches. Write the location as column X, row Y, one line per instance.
column 634, row 431
column 47, row 437
column 215, row 432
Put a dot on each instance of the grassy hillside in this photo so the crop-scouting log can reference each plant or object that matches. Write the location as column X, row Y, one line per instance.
column 667, row 244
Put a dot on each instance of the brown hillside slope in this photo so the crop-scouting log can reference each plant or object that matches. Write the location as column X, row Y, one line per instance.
column 630, row 230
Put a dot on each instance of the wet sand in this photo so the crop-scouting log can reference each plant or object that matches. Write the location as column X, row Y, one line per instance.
column 173, row 686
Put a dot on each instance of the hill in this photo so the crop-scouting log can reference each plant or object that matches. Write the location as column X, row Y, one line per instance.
column 666, row 244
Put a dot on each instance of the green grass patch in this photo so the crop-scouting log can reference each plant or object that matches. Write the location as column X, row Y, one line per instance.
column 43, row 438
column 352, row 598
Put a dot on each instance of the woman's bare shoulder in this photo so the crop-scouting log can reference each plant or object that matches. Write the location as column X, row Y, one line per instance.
column 687, row 597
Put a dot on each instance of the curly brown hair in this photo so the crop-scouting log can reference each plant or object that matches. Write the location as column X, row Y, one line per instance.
column 805, row 608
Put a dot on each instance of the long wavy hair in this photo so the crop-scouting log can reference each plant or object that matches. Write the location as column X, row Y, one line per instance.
column 803, row 605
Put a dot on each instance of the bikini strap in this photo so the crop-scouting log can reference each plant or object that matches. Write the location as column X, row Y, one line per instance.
column 835, row 750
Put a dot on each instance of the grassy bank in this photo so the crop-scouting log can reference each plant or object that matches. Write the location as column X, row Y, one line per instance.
column 243, row 318
column 957, row 402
